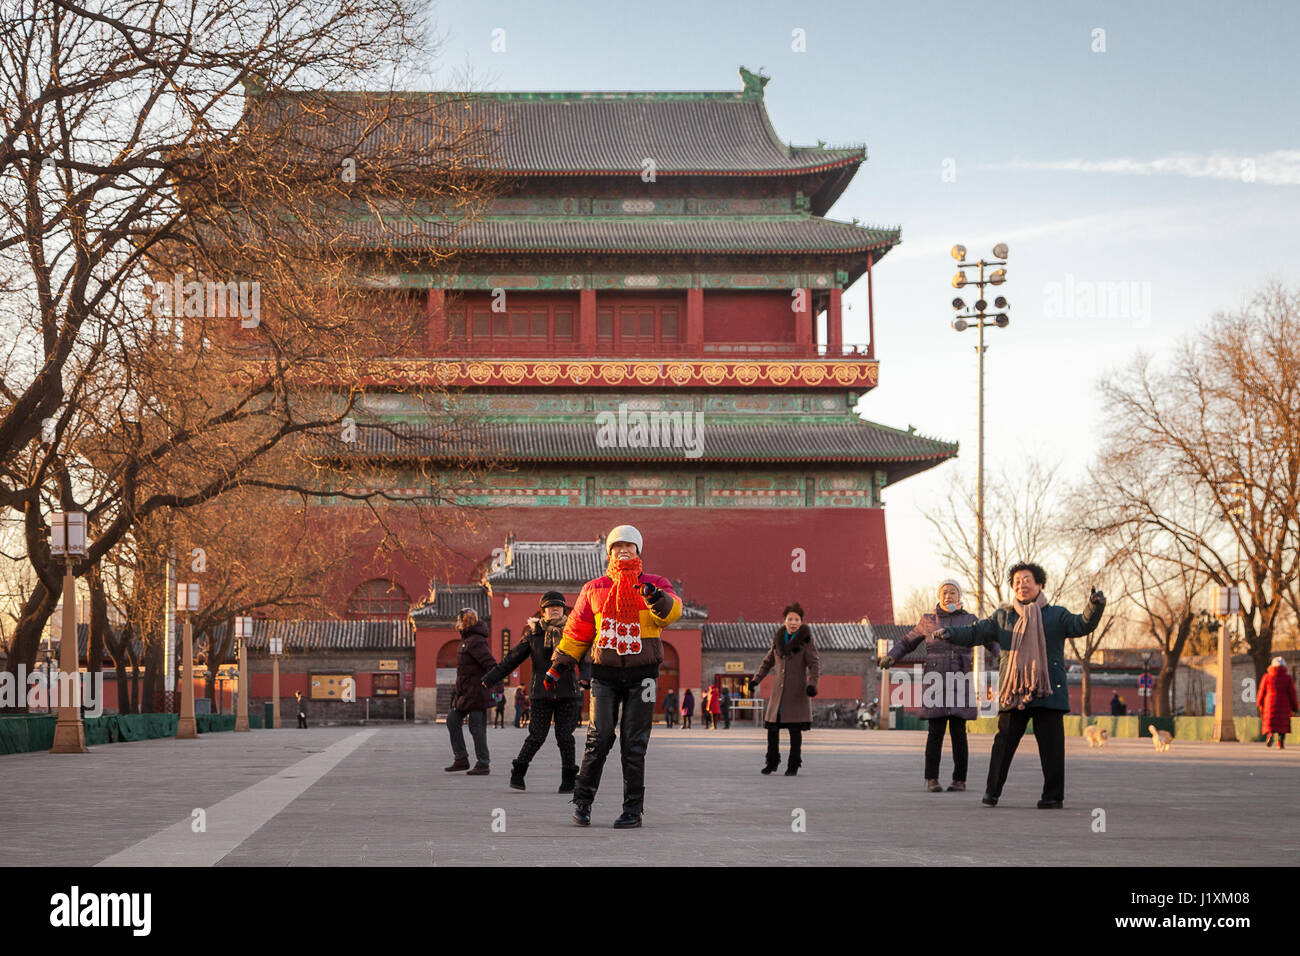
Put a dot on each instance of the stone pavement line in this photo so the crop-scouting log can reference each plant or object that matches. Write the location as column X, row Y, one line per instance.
column 234, row 819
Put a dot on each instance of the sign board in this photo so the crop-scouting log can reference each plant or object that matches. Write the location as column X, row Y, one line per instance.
column 331, row 686
column 388, row 665
column 408, row 681
column 734, row 667
column 1229, row 600
column 1146, row 681
column 385, row 684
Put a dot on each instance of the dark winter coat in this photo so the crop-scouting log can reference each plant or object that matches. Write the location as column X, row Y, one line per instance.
column 1058, row 624
column 1117, row 708
column 538, row 644
column 794, row 665
column 473, row 660
column 1277, row 701
column 941, row 659
column 688, row 704
column 670, row 702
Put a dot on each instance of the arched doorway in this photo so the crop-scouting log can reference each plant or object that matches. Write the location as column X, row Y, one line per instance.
column 668, row 675
column 446, row 675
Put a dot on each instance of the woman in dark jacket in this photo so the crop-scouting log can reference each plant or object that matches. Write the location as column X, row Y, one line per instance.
column 688, row 709
column 793, row 662
column 948, row 697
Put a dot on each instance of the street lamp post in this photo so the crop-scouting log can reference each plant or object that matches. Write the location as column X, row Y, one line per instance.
column 978, row 315
column 243, row 632
column 68, row 540
column 1224, row 729
column 276, row 645
column 187, row 601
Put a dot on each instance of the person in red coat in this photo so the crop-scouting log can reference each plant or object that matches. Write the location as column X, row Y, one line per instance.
column 1277, row 702
column 715, row 706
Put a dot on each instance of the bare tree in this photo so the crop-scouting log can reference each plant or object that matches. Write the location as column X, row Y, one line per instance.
column 1024, row 520
column 1204, row 456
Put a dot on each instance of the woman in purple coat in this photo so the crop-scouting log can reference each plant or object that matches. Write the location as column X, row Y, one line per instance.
column 948, row 698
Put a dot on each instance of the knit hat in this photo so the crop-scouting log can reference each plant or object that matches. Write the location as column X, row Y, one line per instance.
column 624, row 532
column 1279, row 661
column 552, row 599
column 943, row 584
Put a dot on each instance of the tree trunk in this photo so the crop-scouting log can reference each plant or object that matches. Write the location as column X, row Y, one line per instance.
column 1164, row 687
column 26, row 641
column 134, row 658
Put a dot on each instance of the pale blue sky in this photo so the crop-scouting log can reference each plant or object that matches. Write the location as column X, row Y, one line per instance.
column 1117, row 166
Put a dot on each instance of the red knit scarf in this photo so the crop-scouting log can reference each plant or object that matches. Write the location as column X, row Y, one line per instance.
column 624, row 602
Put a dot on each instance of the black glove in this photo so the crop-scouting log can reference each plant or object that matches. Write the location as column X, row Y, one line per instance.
column 885, row 663
column 940, row 634
column 1096, row 597
column 650, row 593
column 810, row 690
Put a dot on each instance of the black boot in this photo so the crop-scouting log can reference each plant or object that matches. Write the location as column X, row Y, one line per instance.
column 582, row 813
column 770, row 765
column 517, row 771
column 627, row 820
column 567, row 776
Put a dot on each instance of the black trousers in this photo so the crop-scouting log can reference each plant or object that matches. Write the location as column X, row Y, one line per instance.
column 934, row 748
column 1049, row 732
column 619, row 704
column 566, row 711
column 774, row 747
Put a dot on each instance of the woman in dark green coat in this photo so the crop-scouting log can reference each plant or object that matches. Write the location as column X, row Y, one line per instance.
column 1031, row 684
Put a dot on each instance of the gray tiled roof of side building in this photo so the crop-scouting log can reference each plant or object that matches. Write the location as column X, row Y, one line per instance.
column 757, row 635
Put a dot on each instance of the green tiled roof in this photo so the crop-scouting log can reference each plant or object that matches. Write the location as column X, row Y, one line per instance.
column 747, row 235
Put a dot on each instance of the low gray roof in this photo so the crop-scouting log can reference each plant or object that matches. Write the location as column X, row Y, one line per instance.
column 332, row 635
column 757, row 636
column 552, row 564
column 446, row 601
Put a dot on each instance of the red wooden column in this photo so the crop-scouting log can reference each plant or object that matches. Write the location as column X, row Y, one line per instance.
column 834, row 324
column 695, row 320
column 437, row 316
column 803, row 326
column 587, row 320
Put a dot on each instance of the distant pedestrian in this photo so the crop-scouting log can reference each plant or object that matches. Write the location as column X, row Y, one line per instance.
column 670, row 708
column 302, row 709
column 795, row 666
column 952, row 670
column 1277, row 702
column 470, row 699
column 715, row 706
column 704, row 707
column 1032, row 677
column 499, row 714
column 688, row 709
column 519, row 706
column 726, row 709
column 1117, row 708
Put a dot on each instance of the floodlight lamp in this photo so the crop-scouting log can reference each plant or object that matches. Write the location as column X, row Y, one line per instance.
column 1002, row 320
column 1000, row 251
column 998, row 276
column 959, row 325
column 959, row 253
column 958, row 303
column 959, row 280
column 1000, row 302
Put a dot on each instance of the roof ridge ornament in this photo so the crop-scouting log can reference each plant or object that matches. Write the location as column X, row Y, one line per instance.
column 754, row 82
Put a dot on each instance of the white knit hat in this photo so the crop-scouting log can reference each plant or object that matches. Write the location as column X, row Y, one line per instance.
column 943, row 584
column 624, row 532
column 1279, row 661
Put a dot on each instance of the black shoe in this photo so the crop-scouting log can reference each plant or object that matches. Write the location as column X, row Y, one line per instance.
column 517, row 771
column 1050, row 804
column 989, row 801
column 791, row 771
column 567, row 778
column 627, row 820
column 768, row 768
column 582, row 814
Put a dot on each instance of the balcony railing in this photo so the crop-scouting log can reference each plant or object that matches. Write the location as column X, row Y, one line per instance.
column 523, row 348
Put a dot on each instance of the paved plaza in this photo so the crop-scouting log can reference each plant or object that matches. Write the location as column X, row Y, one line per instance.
column 377, row 795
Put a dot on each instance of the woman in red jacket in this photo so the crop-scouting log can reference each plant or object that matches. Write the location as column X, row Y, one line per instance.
column 715, row 706
column 1277, row 702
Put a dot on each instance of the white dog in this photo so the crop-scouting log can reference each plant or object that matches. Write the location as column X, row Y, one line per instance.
column 1096, row 736
column 1163, row 739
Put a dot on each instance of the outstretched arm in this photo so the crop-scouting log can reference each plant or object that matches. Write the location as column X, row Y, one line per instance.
column 1077, row 625
column 981, row 632
column 508, row 663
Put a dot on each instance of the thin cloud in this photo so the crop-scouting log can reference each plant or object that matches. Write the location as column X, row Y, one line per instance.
column 1280, row 167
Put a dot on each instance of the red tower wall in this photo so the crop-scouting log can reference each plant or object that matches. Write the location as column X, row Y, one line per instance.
column 748, row 317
